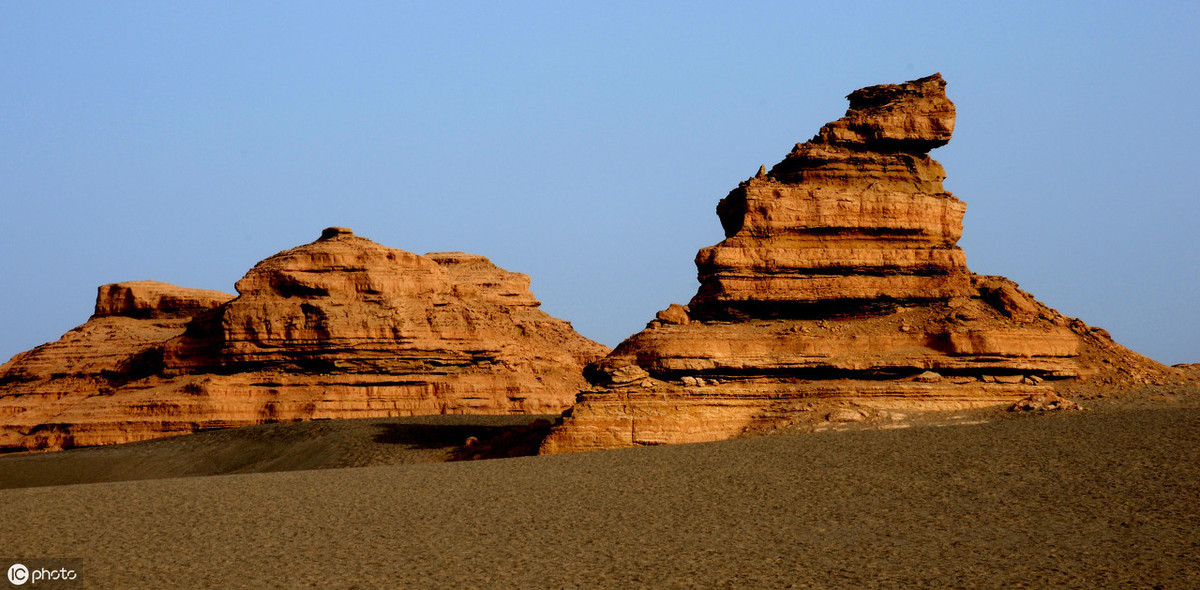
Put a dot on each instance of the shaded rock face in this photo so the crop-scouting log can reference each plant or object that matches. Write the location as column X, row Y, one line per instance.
column 342, row 327
column 839, row 281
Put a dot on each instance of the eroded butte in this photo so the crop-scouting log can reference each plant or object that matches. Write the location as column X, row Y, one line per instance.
column 338, row 328
column 840, row 281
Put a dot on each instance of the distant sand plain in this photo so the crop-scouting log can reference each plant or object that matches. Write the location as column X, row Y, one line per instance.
column 1107, row 498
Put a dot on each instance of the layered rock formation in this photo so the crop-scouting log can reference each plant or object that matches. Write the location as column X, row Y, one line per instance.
column 839, row 280
column 342, row 327
column 857, row 215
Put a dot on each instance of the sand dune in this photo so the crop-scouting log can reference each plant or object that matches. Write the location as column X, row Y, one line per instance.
column 1105, row 498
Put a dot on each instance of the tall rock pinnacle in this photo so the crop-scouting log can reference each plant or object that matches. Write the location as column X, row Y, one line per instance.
column 855, row 216
column 839, row 282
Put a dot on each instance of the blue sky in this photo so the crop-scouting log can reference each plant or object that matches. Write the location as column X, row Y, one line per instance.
column 585, row 145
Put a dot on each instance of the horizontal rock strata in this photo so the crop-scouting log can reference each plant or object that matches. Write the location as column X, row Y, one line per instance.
column 857, row 214
column 839, row 281
column 339, row 328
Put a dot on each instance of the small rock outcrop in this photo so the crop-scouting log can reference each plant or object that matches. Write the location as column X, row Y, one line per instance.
column 154, row 300
column 1044, row 402
column 338, row 328
column 839, row 278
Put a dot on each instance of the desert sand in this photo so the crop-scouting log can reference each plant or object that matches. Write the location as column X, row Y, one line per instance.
column 1106, row 497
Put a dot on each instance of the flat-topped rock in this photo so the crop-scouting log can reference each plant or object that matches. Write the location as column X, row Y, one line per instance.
column 330, row 233
column 152, row 299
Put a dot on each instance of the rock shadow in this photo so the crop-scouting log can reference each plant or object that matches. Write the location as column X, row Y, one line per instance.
column 433, row 436
column 468, row 442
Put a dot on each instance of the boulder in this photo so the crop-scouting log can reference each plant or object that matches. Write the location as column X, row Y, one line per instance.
column 673, row 314
column 845, row 415
column 1044, row 402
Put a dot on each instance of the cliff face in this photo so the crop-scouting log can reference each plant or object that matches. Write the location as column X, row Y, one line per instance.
column 840, row 282
column 342, row 327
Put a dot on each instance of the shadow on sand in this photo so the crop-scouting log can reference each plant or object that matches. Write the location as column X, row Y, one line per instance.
column 469, row 441
column 295, row 446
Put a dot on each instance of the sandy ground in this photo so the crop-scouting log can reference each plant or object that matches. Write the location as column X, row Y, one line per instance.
column 321, row 444
column 1108, row 498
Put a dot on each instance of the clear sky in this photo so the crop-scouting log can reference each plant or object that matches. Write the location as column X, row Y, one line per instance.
column 585, row 145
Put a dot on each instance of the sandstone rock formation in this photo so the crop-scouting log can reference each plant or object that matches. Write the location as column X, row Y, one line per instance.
column 1044, row 402
column 342, row 327
column 839, row 281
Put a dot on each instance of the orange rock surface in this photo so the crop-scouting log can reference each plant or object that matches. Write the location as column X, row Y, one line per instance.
column 339, row 328
column 839, row 281
column 856, row 214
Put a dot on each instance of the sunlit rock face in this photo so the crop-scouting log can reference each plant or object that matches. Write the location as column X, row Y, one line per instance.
column 338, row 328
column 839, row 281
column 857, row 215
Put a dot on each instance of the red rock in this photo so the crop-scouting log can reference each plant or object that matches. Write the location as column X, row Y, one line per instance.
column 342, row 327
column 1044, row 402
column 912, row 117
column 674, row 314
column 839, row 278
column 845, row 415
column 858, row 213
column 152, row 299
column 1004, row 295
